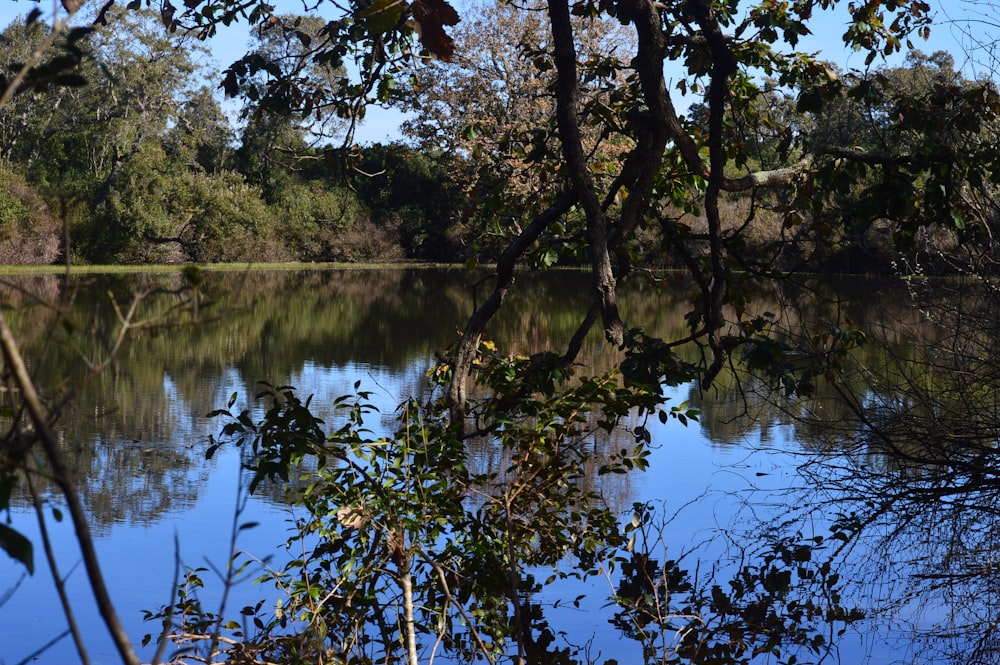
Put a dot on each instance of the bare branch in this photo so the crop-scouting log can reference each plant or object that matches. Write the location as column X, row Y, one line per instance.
column 64, row 479
column 773, row 178
column 57, row 579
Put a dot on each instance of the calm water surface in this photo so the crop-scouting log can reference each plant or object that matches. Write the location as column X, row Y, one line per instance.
column 138, row 432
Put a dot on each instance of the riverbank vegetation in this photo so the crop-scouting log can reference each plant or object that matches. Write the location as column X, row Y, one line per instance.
column 145, row 163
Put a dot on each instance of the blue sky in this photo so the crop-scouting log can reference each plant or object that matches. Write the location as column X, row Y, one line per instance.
column 381, row 124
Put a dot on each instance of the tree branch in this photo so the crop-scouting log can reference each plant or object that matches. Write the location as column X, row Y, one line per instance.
column 64, row 479
column 468, row 344
column 567, row 102
column 57, row 579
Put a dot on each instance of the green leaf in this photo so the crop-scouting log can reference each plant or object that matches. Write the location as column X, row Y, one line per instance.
column 957, row 219
column 18, row 547
column 382, row 15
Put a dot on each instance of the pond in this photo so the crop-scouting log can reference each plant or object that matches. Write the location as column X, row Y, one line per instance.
column 137, row 435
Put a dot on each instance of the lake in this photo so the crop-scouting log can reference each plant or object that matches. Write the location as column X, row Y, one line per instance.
column 137, row 435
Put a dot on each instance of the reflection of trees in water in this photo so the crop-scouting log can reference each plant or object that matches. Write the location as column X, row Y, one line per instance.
column 926, row 563
column 908, row 433
column 486, row 457
column 915, row 458
column 906, row 438
column 280, row 326
column 743, row 407
column 253, row 326
column 140, row 482
column 955, row 551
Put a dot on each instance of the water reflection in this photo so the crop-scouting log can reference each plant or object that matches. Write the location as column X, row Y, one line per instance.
column 137, row 432
column 905, row 447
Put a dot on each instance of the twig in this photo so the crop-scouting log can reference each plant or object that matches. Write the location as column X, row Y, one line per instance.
column 64, row 479
column 60, row 583
column 9, row 593
column 229, row 579
column 447, row 594
column 168, row 620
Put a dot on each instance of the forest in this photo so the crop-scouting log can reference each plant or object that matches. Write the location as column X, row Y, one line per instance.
column 128, row 155
column 539, row 134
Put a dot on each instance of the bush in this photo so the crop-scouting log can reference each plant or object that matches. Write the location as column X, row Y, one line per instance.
column 317, row 223
column 368, row 241
column 162, row 213
column 29, row 234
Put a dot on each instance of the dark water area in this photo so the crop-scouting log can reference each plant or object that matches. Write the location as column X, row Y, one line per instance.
column 137, row 433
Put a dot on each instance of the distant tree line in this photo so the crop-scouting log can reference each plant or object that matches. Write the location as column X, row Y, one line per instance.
column 136, row 154
column 133, row 153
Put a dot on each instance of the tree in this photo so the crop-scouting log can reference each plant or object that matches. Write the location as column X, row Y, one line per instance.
column 670, row 166
column 135, row 78
column 489, row 110
column 202, row 137
column 75, row 143
column 667, row 161
column 270, row 148
column 276, row 135
column 336, row 68
column 408, row 189
column 163, row 211
column 933, row 130
column 283, row 54
column 663, row 159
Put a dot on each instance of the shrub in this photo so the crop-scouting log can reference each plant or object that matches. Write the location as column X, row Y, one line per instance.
column 29, row 234
column 318, row 223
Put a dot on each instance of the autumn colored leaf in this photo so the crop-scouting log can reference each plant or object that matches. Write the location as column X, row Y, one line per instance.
column 431, row 16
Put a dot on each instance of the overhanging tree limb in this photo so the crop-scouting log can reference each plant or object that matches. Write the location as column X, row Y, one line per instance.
column 567, row 102
column 468, row 344
column 723, row 66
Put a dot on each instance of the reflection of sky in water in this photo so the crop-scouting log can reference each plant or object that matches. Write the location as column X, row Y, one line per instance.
column 138, row 564
column 138, row 558
column 707, row 488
